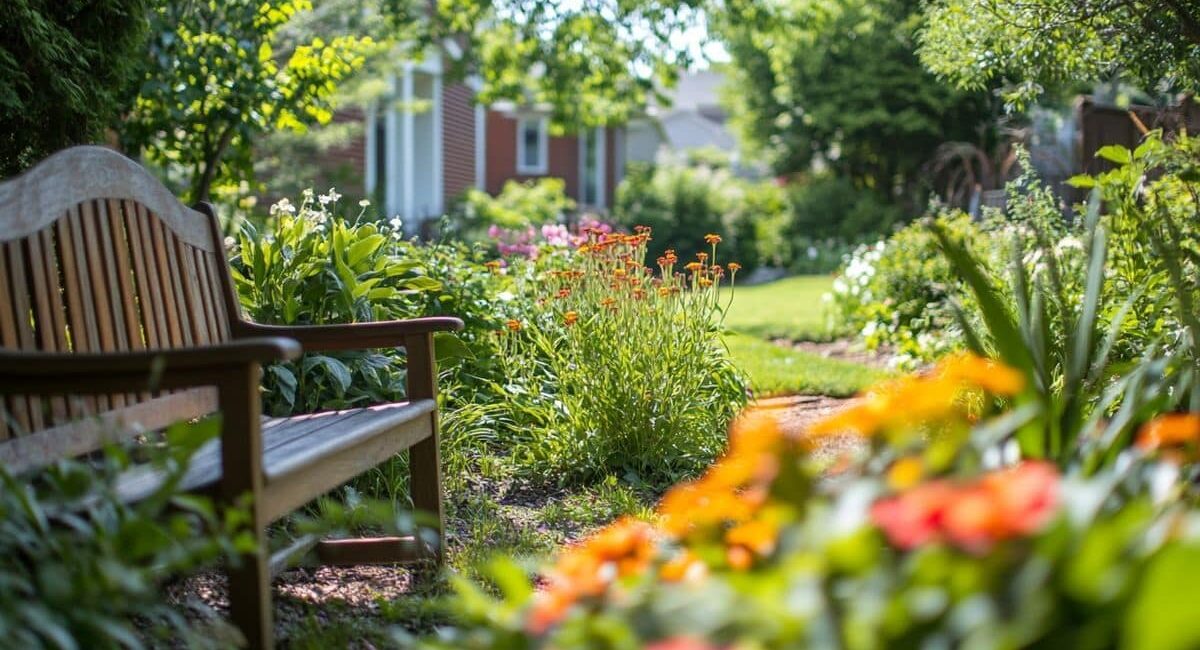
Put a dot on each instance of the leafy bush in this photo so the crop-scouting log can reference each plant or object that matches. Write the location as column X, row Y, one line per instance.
column 935, row 534
column 313, row 266
column 898, row 292
column 615, row 369
column 518, row 206
column 825, row 206
column 677, row 202
column 79, row 567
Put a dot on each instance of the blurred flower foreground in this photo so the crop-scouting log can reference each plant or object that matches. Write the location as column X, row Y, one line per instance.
column 936, row 533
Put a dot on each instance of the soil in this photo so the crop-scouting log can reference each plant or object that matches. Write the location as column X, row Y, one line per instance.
column 842, row 350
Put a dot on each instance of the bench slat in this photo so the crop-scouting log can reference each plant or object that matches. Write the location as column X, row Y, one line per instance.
column 300, row 446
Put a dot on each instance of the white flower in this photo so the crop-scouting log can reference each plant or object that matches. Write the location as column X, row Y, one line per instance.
column 331, row 197
column 812, row 252
column 307, row 193
column 364, row 203
column 868, row 330
column 283, row 205
column 839, row 286
column 506, row 296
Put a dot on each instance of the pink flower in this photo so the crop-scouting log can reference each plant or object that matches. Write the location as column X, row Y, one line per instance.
column 682, row 643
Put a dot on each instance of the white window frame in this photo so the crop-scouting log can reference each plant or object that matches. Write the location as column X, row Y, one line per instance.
column 543, row 151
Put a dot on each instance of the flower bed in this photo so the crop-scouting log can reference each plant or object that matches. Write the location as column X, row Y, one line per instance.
column 938, row 534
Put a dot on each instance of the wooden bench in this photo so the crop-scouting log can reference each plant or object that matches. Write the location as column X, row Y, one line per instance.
column 118, row 316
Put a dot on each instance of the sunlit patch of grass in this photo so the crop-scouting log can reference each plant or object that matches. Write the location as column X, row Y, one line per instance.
column 775, row 370
column 791, row 308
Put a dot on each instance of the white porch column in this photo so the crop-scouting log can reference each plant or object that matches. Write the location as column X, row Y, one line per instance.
column 407, row 198
column 439, row 137
column 391, row 191
column 480, row 147
column 369, row 180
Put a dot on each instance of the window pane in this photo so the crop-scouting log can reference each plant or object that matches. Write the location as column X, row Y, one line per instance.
column 531, row 136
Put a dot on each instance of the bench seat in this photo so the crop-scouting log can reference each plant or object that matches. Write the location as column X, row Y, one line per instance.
column 328, row 447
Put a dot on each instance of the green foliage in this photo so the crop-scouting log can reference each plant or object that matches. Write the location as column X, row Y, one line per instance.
column 681, row 204
column 65, row 71
column 898, row 292
column 839, row 81
column 218, row 76
column 516, row 207
column 313, row 266
column 610, row 371
column 920, row 539
column 80, row 568
column 1029, row 47
column 828, row 207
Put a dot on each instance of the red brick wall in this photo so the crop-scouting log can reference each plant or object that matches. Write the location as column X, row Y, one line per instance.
column 502, row 156
column 458, row 140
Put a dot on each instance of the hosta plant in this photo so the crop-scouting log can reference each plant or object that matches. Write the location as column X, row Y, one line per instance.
column 312, row 265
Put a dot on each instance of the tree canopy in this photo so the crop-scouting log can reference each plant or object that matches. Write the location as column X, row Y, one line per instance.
column 838, row 82
column 66, row 71
column 1031, row 46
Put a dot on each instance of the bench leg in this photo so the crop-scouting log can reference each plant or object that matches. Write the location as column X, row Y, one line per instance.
column 250, row 598
column 424, row 458
column 242, row 483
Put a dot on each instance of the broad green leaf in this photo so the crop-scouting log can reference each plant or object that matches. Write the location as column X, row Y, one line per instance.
column 447, row 346
column 1115, row 153
column 1163, row 615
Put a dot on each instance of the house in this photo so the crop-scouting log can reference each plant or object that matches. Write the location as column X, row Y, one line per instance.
column 693, row 121
column 427, row 142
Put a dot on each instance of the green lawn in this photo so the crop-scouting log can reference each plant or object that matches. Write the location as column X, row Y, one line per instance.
column 776, row 370
column 790, row 308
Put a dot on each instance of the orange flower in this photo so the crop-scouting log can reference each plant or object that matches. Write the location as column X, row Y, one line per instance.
column 905, row 473
column 670, row 256
column 685, row 566
column 739, row 558
column 570, row 318
column 712, row 238
column 493, row 265
column 734, row 267
column 1170, row 430
column 609, row 302
column 682, row 643
column 995, row 378
column 705, row 282
column 694, row 267
column 563, row 293
column 758, row 536
column 702, row 256
column 513, row 325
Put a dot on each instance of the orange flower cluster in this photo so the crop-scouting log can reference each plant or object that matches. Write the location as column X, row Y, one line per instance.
column 513, row 325
column 587, row 570
column 729, row 498
column 570, row 318
column 1000, row 505
column 910, row 401
column 1170, row 431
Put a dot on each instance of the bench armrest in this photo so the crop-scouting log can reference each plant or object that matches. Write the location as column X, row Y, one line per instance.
column 38, row 372
column 352, row 336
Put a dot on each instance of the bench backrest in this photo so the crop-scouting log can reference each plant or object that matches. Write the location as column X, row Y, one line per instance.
column 97, row 256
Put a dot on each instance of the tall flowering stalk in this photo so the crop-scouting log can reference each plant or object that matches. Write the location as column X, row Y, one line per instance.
column 628, row 361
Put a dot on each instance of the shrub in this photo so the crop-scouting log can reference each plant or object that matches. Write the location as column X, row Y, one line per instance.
column 519, row 206
column 79, row 567
column 615, row 369
column 677, row 202
column 935, row 534
column 898, row 292
column 826, row 206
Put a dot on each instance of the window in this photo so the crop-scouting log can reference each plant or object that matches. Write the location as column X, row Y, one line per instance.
column 531, row 146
